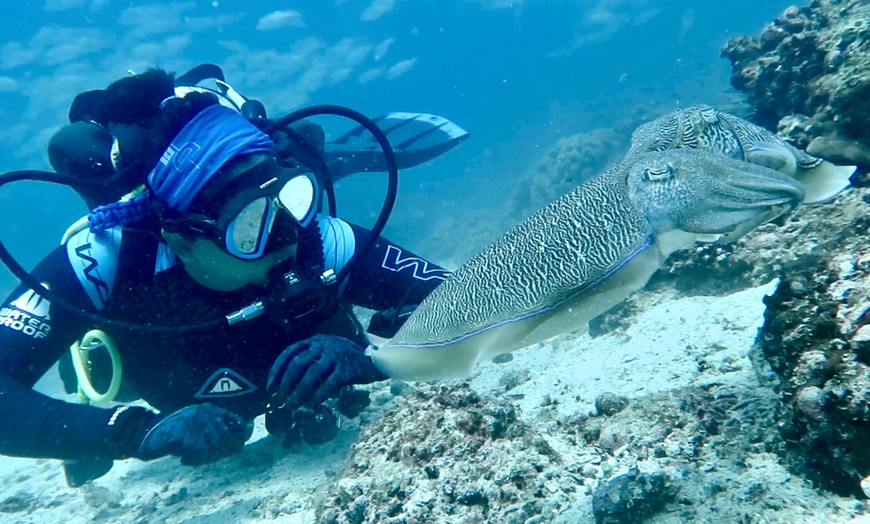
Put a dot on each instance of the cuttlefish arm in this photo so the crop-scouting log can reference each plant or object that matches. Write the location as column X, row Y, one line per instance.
column 579, row 256
column 822, row 180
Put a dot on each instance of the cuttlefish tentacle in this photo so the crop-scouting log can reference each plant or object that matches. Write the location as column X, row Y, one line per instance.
column 581, row 255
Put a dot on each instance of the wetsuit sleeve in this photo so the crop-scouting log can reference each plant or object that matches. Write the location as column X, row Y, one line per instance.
column 33, row 335
column 388, row 275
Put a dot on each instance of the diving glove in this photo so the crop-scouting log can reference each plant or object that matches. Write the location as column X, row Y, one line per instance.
column 198, row 434
column 313, row 370
column 386, row 324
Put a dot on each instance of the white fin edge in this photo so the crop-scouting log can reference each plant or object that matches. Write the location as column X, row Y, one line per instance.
column 825, row 181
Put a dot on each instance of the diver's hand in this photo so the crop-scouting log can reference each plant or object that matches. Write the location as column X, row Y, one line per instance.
column 313, row 370
column 386, row 324
column 198, row 434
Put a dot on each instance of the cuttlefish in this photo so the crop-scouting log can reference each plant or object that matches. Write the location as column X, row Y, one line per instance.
column 695, row 174
column 581, row 255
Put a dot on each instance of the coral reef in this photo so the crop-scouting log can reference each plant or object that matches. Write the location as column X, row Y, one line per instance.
column 446, row 451
column 815, row 338
column 807, row 73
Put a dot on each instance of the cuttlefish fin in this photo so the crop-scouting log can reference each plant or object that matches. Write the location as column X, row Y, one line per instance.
column 709, row 238
column 825, row 181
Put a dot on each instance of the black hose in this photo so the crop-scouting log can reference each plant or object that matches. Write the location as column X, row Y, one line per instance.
column 389, row 157
column 27, row 279
column 313, row 155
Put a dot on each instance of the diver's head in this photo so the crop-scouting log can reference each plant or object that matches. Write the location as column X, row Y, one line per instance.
column 116, row 135
column 227, row 207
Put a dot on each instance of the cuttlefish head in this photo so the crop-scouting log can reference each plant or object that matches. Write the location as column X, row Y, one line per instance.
column 704, row 194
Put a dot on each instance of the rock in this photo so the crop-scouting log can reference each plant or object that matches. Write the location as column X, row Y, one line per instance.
column 612, row 438
column 18, row 503
column 421, row 466
column 609, row 404
column 840, row 150
column 634, row 497
column 809, row 401
column 812, row 61
column 815, row 339
column 504, row 358
column 513, row 378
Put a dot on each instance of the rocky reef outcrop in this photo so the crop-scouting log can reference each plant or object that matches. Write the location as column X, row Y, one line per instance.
column 808, row 73
column 814, row 346
column 816, row 337
column 448, row 451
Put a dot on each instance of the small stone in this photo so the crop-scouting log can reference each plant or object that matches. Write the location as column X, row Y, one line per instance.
column 611, row 439
column 504, row 358
column 634, row 497
column 609, row 404
column 673, row 449
column 513, row 378
column 809, row 402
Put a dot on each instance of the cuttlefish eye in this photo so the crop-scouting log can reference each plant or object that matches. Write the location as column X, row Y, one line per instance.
column 659, row 173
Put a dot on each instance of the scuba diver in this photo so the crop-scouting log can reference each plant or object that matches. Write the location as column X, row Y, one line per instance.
column 226, row 288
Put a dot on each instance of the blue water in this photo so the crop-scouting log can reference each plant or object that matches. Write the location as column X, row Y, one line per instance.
column 518, row 75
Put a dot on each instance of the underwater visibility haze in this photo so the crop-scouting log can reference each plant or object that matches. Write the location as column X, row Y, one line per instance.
column 717, row 381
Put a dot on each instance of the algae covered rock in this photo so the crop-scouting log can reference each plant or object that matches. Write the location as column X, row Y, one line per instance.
column 814, row 338
column 447, row 453
column 811, row 62
column 807, row 75
column 634, row 496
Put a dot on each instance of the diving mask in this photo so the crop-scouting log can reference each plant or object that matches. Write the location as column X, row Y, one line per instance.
column 250, row 207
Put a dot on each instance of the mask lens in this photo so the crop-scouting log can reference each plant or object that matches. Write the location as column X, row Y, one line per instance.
column 246, row 233
column 298, row 198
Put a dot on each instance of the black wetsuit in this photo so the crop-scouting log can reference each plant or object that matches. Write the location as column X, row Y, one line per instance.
column 130, row 275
